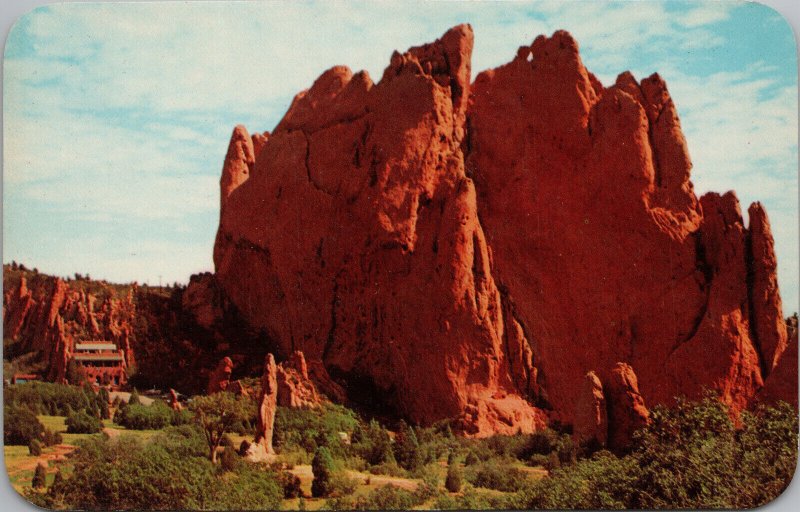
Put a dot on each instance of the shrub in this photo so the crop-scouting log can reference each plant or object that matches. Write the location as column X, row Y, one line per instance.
column 538, row 459
column 230, row 460
column 453, row 480
column 20, row 425
column 142, row 417
column 372, row 443
column 309, row 428
column 39, row 477
column 471, row 459
column 83, row 423
column 35, row 447
column 124, row 473
column 387, row 497
column 290, row 483
column 406, row 447
column 497, row 475
column 323, row 468
column 342, row 484
column 251, row 488
column 134, row 398
column 51, row 438
column 46, row 397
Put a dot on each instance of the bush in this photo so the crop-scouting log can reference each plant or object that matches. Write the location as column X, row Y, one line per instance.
column 538, row 459
column 35, row 447
column 52, row 438
column 290, row 484
column 309, row 428
column 454, row 479
column 342, row 484
column 387, row 497
column 20, row 425
column 323, row 468
column 47, row 398
column 230, row 460
column 249, row 489
column 134, row 398
column 39, row 477
column 690, row 456
column 142, row 417
column 471, row 459
column 497, row 475
column 83, row 423
column 124, row 473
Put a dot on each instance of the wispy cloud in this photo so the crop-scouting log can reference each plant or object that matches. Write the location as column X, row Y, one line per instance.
column 117, row 116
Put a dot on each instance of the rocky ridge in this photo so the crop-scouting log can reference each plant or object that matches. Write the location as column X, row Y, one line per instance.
column 472, row 250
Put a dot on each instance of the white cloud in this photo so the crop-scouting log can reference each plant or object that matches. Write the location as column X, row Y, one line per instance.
column 123, row 111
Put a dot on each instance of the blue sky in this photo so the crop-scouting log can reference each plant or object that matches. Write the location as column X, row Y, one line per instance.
column 117, row 116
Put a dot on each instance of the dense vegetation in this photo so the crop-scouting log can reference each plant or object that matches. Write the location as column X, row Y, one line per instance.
column 692, row 455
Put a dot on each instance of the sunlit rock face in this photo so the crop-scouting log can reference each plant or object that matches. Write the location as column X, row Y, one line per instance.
column 472, row 250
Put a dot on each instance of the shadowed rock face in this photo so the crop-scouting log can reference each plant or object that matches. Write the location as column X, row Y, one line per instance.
column 49, row 316
column 474, row 249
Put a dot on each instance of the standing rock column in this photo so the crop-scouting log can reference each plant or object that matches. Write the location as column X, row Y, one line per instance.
column 261, row 449
column 591, row 421
column 626, row 408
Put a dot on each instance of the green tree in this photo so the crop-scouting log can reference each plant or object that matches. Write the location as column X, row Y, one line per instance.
column 39, row 477
column 20, row 425
column 218, row 414
column 323, row 468
column 35, row 447
column 454, row 478
column 134, row 398
column 406, row 447
column 83, row 423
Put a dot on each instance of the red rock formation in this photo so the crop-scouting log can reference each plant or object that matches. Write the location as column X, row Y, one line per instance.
column 16, row 306
column 769, row 326
column 261, row 448
column 354, row 235
column 585, row 197
column 48, row 316
column 781, row 385
column 591, row 421
column 295, row 389
column 627, row 412
column 220, row 377
column 202, row 300
column 356, row 204
column 174, row 404
column 238, row 388
column 324, row 383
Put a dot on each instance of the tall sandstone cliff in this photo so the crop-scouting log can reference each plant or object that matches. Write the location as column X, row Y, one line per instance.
column 472, row 250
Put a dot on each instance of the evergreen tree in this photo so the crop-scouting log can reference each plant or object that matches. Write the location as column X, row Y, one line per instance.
column 453, row 481
column 35, row 447
column 323, row 468
column 39, row 477
column 134, row 399
column 406, row 447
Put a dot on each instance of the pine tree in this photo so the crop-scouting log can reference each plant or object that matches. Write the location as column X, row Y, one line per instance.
column 35, row 447
column 323, row 468
column 39, row 477
column 453, row 481
column 134, row 399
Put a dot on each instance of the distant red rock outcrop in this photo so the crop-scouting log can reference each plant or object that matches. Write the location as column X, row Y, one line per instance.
column 472, row 250
column 48, row 316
